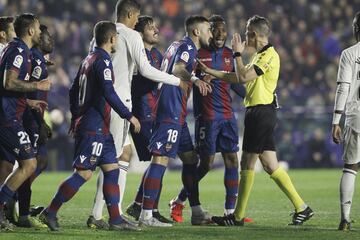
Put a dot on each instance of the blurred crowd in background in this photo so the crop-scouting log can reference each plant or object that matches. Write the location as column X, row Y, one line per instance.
column 309, row 36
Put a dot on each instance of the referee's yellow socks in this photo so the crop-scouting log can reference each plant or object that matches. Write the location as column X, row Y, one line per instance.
column 245, row 186
column 283, row 180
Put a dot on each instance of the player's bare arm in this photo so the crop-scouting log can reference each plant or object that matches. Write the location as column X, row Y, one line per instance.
column 229, row 77
column 14, row 84
column 181, row 72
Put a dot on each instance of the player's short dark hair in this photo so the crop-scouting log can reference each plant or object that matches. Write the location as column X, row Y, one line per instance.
column 125, row 6
column 143, row 21
column 23, row 22
column 215, row 19
column 192, row 21
column 103, row 31
column 5, row 22
column 260, row 24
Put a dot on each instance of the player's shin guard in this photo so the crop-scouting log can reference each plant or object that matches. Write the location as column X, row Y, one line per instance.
column 283, row 180
column 347, row 186
column 65, row 192
column 191, row 183
column 112, row 195
column 99, row 201
column 245, row 186
column 5, row 195
column 231, row 182
column 140, row 191
column 152, row 185
column 24, row 197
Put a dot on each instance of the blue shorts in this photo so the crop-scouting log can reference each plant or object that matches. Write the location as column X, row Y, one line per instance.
column 141, row 140
column 169, row 139
column 15, row 144
column 33, row 133
column 93, row 150
column 216, row 136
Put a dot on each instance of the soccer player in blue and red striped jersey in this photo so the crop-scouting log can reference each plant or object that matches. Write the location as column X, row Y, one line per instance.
column 144, row 97
column 15, row 144
column 92, row 96
column 35, row 126
column 216, row 126
column 170, row 134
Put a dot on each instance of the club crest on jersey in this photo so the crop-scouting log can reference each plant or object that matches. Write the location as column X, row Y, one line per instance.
column 27, row 148
column 107, row 74
column 168, row 147
column 227, row 61
column 18, row 61
column 185, row 56
column 93, row 160
column 37, row 72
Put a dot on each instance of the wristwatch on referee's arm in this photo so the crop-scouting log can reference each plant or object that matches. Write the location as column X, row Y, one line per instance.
column 236, row 54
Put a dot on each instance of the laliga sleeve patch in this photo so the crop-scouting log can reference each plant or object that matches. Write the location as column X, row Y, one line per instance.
column 18, row 61
column 185, row 56
column 37, row 72
column 107, row 74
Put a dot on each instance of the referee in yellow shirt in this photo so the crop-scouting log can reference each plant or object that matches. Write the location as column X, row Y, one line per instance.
column 260, row 77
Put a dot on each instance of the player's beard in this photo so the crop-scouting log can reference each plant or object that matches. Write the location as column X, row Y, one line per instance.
column 113, row 49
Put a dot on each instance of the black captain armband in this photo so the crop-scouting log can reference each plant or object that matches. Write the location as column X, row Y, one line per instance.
column 236, row 54
column 258, row 70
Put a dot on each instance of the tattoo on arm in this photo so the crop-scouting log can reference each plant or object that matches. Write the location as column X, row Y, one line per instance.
column 14, row 84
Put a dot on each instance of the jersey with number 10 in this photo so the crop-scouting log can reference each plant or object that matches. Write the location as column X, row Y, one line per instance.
column 172, row 101
column 92, row 94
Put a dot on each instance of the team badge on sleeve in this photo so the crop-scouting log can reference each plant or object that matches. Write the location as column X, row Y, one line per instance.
column 37, row 72
column 107, row 74
column 18, row 61
column 185, row 56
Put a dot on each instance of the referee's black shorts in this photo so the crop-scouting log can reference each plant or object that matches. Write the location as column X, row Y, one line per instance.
column 260, row 122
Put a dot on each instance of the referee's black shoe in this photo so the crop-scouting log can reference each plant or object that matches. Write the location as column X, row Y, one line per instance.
column 228, row 221
column 301, row 217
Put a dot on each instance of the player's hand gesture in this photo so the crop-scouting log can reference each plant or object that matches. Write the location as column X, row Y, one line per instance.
column 135, row 122
column 44, row 85
column 336, row 133
column 38, row 105
column 236, row 43
column 203, row 86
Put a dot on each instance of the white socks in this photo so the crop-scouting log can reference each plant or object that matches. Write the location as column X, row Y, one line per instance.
column 229, row 211
column 146, row 214
column 99, row 197
column 196, row 210
column 347, row 186
column 124, row 167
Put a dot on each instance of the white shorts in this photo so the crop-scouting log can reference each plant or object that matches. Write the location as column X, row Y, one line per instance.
column 119, row 129
column 351, row 153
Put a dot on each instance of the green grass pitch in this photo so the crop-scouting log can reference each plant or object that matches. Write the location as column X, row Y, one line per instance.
column 268, row 206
